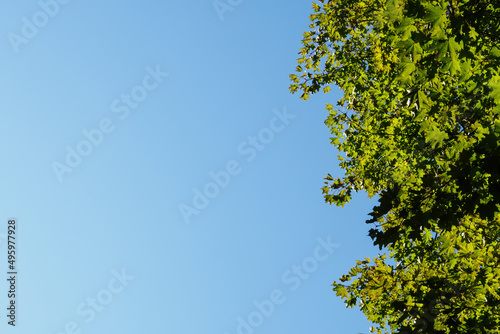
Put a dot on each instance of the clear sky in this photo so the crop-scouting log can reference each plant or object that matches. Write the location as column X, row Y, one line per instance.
column 163, row 178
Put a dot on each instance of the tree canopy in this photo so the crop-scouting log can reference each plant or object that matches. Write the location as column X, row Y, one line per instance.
column 418, row 127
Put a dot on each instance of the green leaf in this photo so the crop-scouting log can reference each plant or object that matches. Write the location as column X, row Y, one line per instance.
column 418, row 128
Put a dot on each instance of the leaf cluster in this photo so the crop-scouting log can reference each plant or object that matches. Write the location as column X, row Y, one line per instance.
column 418, row 126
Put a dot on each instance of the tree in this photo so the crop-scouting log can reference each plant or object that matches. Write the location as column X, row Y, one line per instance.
column 419, row 128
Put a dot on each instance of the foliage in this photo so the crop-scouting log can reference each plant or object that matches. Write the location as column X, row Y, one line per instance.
column 419, row 128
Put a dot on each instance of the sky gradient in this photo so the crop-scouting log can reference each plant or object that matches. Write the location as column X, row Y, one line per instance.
column 162, row 176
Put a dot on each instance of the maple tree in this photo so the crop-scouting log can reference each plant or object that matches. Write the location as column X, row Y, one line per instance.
column 418, row 126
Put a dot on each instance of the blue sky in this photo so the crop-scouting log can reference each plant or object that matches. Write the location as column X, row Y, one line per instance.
column 162, row 176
